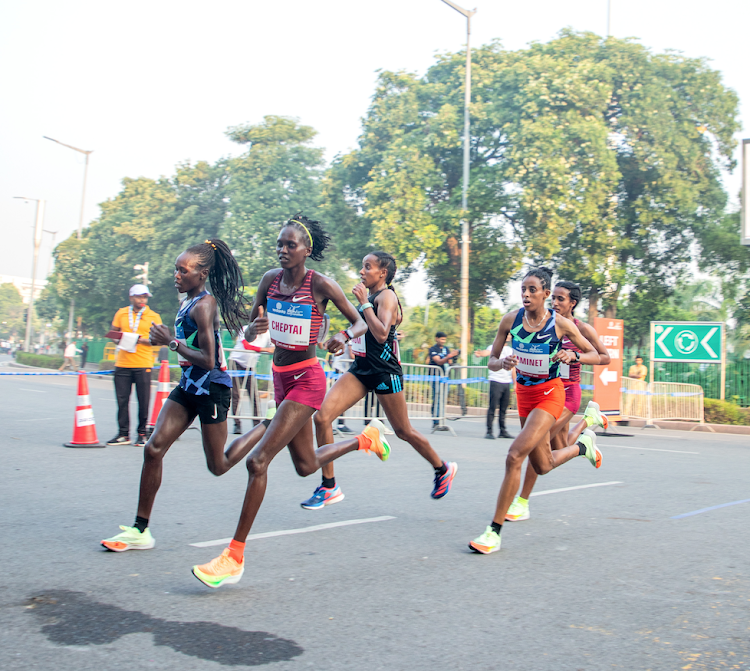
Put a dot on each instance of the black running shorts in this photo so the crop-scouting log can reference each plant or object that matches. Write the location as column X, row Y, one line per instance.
column 212, row 408
column 381, row 383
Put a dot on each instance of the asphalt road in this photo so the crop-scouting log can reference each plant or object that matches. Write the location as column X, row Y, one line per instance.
column 599, row 578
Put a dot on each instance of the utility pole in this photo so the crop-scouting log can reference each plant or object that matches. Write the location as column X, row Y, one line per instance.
column 465, row 230
column 38, row 226
column 144, row 275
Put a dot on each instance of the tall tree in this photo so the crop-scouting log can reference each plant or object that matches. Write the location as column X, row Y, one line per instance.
column 12, row 311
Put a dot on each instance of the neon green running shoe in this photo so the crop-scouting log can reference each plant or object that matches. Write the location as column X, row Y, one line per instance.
column 487, row 543
column 130, row 539
column 518, row 511
column 220, row 571
column 379, row 446
column 594, row 417
column 593, row 453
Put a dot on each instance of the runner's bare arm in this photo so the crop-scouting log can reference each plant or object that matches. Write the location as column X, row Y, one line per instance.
column 204, row 315
column 567, row 327
column 388, row 308
column 328, row 289
column 589, row 332
column 495, row 362
column 258, row 317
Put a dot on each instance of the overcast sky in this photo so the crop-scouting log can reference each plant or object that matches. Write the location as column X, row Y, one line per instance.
column 146, row 85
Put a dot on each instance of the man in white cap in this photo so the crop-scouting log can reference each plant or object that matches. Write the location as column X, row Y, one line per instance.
column 134, row 360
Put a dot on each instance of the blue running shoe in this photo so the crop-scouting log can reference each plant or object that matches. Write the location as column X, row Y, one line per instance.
column 323, row 496
column 443, row 482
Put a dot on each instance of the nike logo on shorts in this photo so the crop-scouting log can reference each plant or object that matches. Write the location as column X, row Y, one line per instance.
column 297, row 299
column 548, row 391
column 297, row 377
column 216, row 412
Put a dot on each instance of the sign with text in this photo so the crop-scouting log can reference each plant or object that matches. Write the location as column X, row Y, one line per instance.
column 688, row 342
column 607, row 379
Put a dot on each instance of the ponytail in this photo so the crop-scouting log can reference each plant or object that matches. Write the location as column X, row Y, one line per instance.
column 226, row 281
column 387, row 262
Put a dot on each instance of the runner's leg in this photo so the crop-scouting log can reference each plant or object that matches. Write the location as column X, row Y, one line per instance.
column 396, row 412
column 556, row 436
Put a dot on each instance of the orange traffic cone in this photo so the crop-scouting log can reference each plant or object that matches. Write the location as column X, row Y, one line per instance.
column 84, row 427
column 162, row 391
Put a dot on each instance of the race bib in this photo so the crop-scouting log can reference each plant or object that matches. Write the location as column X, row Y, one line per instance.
column 359, row 348
column 533, row 358
column 290, row 324
column 564, row 371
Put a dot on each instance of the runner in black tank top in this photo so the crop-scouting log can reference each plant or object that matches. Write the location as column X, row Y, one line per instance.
column 377, row 368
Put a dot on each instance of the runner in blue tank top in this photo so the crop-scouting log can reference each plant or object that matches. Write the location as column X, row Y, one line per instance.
column 537, row 354
column 205, row 386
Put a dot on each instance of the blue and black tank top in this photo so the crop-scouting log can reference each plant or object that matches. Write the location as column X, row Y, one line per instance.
column 534, row 351
column 372, row 357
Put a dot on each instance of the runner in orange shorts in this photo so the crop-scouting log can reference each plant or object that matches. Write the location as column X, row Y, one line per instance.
column 537, row 354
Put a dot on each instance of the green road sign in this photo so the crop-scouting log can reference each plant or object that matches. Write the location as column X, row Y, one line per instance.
column 694, row 342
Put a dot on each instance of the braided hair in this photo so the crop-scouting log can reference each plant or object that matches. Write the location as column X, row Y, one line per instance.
column 574, row 291
column 226, row 281
column 313, row 233
column 388, row 263
column 543, row 274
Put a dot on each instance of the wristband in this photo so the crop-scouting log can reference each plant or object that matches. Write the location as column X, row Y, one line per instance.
column 346, row 335
column 364, row 306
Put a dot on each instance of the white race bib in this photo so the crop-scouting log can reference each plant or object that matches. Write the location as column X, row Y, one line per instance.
column 359, row 348
column 289, row 324
column 533, row 358
column 565, row 371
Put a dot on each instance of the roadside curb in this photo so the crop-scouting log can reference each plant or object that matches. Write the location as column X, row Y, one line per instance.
column 675, row 425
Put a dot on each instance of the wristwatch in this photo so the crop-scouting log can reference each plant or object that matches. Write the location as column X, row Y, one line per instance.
column 173, row 345
column 578, row 356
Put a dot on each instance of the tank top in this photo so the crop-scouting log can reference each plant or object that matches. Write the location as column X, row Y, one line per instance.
column 196, row 380
column 294, row 319
column 372, row 357
column 571, row 372
column 534, row 351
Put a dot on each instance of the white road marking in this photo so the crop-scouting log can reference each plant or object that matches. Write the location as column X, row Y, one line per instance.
column 38, row 391
column 648, row 449
column 570, row 489
column 289, row 532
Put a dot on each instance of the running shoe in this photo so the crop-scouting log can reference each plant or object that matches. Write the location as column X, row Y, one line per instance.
column 595, row 416
column 142, row 440
column 379, row 446
column 237, row 428
column 593, row 453
column 489, row 436
column 130, row 539
column 487, row 543
column 323, row 496
column 518, row 511
column 443, row 482
column 220, row 571
column 119, row 440
column 344, row 428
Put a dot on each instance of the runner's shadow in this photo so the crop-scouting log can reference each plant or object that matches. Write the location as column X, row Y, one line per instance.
column 72, row 618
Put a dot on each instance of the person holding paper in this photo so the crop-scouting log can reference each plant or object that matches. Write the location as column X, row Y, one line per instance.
column 134, row 360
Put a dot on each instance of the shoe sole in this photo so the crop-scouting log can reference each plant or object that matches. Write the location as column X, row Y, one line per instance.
column 116, row 444
column 380, row 428
column 482, row 549
column 329, row 502
column 229, row 580
column 127, row 547
column 518, row 518
column 450, row 482
column 604, row 423
column 598, row 459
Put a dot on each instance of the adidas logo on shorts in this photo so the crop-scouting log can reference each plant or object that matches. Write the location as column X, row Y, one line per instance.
column 382, row 385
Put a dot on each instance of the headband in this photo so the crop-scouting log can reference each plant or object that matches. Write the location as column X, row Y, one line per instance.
column 306, row 231
column 208, row 242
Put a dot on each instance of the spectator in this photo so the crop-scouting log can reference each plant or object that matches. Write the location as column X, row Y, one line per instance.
column 501, row 386
column 639, row 371
column 84, row 354
column 134, row 360
column 244, row 357
column 440, row 355
column 69, row 353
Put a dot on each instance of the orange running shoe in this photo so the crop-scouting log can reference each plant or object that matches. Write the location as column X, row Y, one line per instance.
column 379, row 446
column 220, row 571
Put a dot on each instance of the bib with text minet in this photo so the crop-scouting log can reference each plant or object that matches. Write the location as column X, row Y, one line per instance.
column 533, row 358
column 290, row 324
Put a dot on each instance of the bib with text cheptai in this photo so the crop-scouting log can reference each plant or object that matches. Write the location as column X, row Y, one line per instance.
column 289, row 324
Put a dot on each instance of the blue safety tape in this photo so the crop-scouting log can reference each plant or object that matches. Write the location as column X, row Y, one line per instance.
column 58, row 373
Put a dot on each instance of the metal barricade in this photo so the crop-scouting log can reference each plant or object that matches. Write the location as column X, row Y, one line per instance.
column 634, row 398
column 252, row 388
column 654, row 401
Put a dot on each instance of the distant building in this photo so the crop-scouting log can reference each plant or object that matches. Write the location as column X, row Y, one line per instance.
column 23, row 284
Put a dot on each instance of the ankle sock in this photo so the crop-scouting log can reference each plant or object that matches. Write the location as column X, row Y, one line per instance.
column 522, row 500
column 440, row 470
column 581, row 450
column 497, row 528
column 141, row 523
column 365, row 442
column 329, row 483
column 237, row 551
column 589, row 420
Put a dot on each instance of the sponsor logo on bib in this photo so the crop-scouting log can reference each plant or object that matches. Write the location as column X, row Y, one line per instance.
column 533, row 358
column 289, row 325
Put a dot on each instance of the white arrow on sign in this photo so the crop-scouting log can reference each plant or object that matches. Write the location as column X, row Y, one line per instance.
column 608, row 375
column 705, row 340
column 660, row 341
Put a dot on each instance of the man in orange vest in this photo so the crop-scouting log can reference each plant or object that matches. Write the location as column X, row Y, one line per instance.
column 134, row 360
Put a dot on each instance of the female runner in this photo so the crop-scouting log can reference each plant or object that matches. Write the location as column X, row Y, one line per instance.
column 537, row 354
column 295, row 299
column 565, row 298
column 376, row 368
column 205, row 386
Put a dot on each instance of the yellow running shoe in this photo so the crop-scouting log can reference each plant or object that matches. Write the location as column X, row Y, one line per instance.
column 130, row 539
column 518, row 511
column 220, row 571
column 379, row 446
column 487, row 543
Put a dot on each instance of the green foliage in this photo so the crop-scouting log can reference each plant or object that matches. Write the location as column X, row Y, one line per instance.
column 724, row 412
column 39, row 360
column 12, row 311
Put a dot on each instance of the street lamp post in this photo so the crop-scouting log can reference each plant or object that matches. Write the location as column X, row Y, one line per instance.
column 37, row 242
column 86, row 153
column 465, row 231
